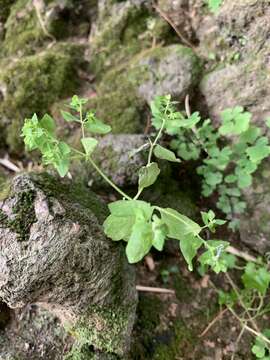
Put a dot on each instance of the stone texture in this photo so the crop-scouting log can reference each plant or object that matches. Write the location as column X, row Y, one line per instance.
column 113, row 156
column 244, row 84
column 255, row 223
column 33, row 333
column 54, row 253
column 172, row 70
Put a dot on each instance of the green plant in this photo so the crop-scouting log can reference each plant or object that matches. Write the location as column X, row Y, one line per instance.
column 248, row 304
column 227, row 165
column 214, row 5
column 140, row 224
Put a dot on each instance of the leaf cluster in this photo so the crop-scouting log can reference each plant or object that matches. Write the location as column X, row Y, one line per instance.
column 227, row 165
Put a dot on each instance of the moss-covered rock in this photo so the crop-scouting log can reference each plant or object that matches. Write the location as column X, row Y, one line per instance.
column 35, row 82
column 245, row 84
column 122, row 30
column 23, row 30
column 124, row 91
column 33, row 334
column 5, row 9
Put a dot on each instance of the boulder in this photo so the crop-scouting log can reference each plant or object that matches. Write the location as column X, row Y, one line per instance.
column 33, row 83
column 255, row 222
column 53, row 252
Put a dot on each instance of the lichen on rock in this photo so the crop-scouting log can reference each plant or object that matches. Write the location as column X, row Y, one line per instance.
column 64, row 263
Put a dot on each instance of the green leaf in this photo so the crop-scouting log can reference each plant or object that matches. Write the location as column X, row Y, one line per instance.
column 258, row 350
column 148, row 175
column 95, row 125
column 69, row 117
column 250, row 136
column 189, row 246
column 267, row 122
column 234, row 121
column 207, row 216
column 89, row 145
column 213, row 178
column 191, row 121
column 140, row 241
column 227, row 298
column 47, row 123
column 118, row 227
column 160, row 232
column 244, row 180
column 214, row 5
column 62, row 167
column 230, row 179
column 213, row 257
column 165, row 154
column 256, row 277
column 77, row 102
column 259, row 151
column 178, row 225
column 130, row 207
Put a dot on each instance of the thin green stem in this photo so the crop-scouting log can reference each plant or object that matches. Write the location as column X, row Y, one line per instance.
column 138, row 194
column 81, row 121
column 155, row 141
column 105, row 177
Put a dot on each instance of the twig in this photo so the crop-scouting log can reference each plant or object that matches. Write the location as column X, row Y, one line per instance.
column 237, row 341
column 232, row 250
column 9, row 165
column 169, row 21
column 248, row 328
column 154, row 290
column 218, row 317
column 38, row 4
column 241, row 302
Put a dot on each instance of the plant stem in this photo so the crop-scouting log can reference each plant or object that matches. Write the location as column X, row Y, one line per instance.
column 248, row 328
column 241, row 301
column 105, row 177
column 152, row 145
column 81, row 120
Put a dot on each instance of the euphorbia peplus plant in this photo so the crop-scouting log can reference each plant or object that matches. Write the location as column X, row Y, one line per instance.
column 140, row 224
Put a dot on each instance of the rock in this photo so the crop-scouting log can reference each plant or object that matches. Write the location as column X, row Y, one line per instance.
column 23, row 31
column 54, row 253
column 255, row 222
column 33, row 24
column 113, row 156
column 33, row 334
column 244, row 84
column 173, row 70
column 33, row 83
column 123, row 29
column 242, row 28
column 124, row 91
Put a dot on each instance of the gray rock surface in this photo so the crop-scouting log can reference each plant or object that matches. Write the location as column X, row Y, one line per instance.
column 255, row 223
column 53, row 252
column 171, row 70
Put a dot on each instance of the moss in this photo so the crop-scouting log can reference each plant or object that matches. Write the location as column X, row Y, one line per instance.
column 155, row 340
column 102, row 327
column 181, row 343
column 5, row 9
column 123, row 32
column 23, row 31
column 35, row 82
column 24, row 215
column 117, row 102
